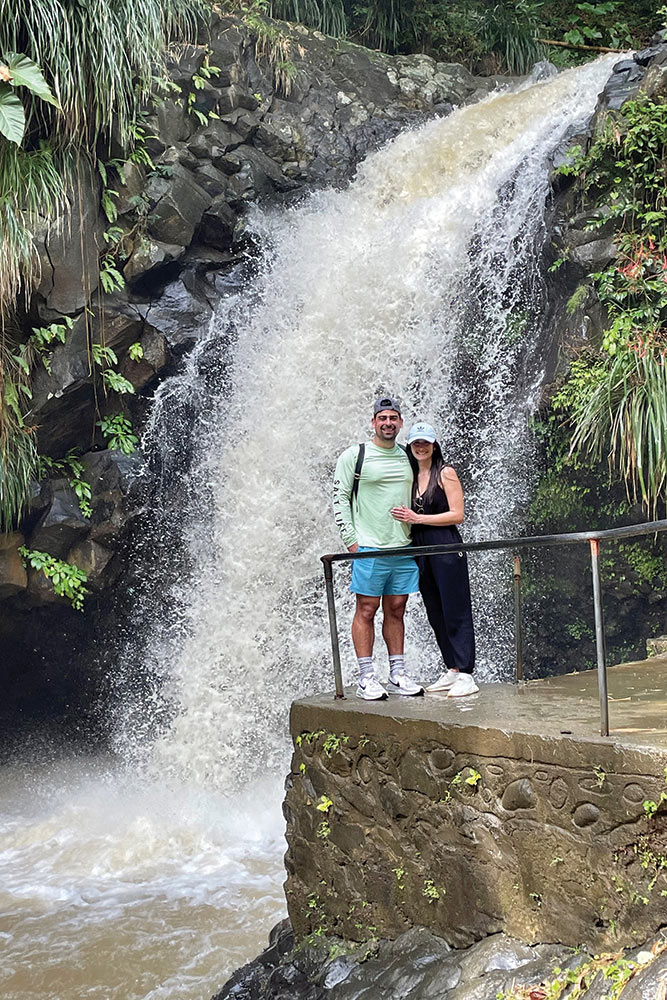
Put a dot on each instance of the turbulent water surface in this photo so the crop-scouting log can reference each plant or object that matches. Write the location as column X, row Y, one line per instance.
column 156, row 873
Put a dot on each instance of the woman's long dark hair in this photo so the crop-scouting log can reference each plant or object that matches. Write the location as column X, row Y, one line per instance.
column 437, row 465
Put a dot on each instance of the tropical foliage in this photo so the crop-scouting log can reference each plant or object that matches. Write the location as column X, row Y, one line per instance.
column 615, row 400
column 483, row 35
column 66, row 578
column 18, row 71
column 73, row 80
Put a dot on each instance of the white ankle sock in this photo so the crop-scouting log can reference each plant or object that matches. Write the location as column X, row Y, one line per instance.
column 365, row 667
column 396, row 664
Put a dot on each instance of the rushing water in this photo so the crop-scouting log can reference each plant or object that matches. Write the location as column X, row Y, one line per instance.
column 156, row 874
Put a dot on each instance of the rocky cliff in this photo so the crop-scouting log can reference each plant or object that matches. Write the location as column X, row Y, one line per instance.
column 130, row 277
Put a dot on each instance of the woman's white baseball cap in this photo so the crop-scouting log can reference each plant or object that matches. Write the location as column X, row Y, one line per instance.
column 421, row 432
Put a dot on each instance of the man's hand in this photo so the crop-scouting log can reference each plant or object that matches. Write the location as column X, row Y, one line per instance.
column 353, row 548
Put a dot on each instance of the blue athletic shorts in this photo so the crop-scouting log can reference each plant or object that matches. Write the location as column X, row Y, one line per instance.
column 384, row 575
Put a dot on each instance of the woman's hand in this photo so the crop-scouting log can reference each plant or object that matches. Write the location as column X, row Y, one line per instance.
column 405, row 514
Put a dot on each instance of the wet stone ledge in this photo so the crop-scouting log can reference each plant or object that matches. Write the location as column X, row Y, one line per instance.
column 420, row 966
column 469, row 829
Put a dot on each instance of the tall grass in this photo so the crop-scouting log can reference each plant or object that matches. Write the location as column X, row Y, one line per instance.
column 623, row 418
column 99, row 56
column 509, row 31
column 33, row 188
column 101, row 59
column 327, row 16
column 18, row 462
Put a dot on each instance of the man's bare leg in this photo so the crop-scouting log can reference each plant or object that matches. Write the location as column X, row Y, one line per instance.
column 363, row 636
column 363, row 625
column 393, row 606
column 393, row 629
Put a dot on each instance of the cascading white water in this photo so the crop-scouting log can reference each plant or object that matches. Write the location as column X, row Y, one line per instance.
column 421, row 279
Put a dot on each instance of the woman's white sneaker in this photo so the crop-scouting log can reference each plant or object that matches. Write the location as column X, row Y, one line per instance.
column 463, row 685
column 444, row 681
column 402, row 684
column 370, row 689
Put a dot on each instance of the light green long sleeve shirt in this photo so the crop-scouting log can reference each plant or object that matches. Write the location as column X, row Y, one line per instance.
column 386, row 482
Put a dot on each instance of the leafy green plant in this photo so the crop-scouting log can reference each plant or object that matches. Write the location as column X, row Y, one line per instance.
column 111, row 279
column 615, row 402
column 333, row 743
column 309, row 738
column 72, row 75
column 117, row 382
column 593, row 24
column 624, row 418
column 43, row 338
column 118, row 433
column 271, row 44
column 102, row 55
column 651, row 808
column 72, row 467
column 18, row 453
column 432, row 892
column 112, row 380
column 16, row 70
column 135, row 352
column 66, row 578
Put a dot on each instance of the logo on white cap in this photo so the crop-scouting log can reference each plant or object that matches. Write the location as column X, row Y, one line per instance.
column 421, row 432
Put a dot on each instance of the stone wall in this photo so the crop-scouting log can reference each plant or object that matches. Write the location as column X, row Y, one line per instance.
column 394, row 822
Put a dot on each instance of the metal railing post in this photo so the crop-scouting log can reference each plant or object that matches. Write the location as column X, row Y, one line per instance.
column 518, row 626
column 333, row 627
column 599, row 637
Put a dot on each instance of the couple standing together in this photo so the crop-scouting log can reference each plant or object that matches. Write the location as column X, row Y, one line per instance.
column 387, row 496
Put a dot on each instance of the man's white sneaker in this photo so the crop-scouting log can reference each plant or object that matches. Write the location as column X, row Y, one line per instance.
column 370, row 689
column 444, row 681
column 463, row 685
column 402, row 684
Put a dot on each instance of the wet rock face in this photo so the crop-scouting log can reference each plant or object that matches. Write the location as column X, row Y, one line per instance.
column 182, row 220
column 395, row 831
column 420, row 966
column 581, row 237
column 13, row 576
column 182, row 206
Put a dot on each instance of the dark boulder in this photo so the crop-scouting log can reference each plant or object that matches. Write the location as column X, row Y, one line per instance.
column 62, row 524
column 177, row 205
column 13, row 576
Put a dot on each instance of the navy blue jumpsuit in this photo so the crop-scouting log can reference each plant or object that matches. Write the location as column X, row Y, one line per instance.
column 445, row 587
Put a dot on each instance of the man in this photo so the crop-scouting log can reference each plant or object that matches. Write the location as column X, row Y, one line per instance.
column 363, row 517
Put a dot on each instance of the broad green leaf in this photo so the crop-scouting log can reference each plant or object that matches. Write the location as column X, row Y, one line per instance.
column 12, row 115
column 26, row 73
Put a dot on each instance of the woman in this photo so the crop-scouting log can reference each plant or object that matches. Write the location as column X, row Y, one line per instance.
column 437, row 509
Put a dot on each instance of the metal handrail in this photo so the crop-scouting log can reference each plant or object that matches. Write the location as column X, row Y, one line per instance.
column 566, row 538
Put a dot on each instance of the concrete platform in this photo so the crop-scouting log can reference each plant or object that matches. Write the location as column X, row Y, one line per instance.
column 503, row 811
column 567, row 705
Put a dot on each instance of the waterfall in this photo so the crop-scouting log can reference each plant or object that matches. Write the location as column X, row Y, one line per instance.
column 421, row 279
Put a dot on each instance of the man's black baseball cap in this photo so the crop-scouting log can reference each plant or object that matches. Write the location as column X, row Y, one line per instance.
column 386, row 403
